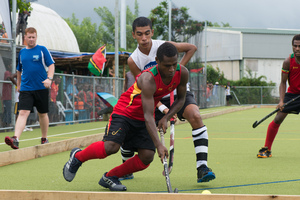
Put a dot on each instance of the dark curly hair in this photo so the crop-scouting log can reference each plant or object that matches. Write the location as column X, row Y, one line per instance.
column 166, row 49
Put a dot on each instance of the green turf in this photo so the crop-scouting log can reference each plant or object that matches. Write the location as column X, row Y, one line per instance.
column 233, row 145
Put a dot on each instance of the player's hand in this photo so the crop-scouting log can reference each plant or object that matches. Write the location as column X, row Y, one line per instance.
column 280, row 106
column 162, row 151
column 47, row 83
column 174, row 117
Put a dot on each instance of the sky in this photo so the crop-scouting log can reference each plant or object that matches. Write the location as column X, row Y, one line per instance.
column 281, row 14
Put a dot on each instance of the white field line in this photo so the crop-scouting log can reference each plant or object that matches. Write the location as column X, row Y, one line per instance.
column 214, row 110
column 68, row 133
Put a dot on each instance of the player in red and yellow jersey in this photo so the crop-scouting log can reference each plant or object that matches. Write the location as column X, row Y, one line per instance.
column 290, row 72
column 132, row 122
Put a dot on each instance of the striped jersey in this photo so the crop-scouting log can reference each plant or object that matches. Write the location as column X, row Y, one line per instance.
column 130, row 102
column 294, row 76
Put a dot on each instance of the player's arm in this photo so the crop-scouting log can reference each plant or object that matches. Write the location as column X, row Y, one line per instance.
column 187, row 48
column 135, row 70
column 284, row 78
column 179, row 102
column 147, row 84
column 47, row 82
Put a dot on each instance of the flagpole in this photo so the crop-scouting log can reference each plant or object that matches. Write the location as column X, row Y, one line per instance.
column 170, row 19
column 14, row 52
column 117, row 47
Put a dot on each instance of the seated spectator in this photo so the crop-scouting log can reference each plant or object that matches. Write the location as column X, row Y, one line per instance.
column 72, row 88
column 53, row 110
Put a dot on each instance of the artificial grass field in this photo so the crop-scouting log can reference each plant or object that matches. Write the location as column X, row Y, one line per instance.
column 233, row 145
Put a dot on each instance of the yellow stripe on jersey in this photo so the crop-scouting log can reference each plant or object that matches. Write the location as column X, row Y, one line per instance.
column 136, row 91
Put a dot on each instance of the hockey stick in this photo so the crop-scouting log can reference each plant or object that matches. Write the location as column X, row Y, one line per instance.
column 256, row 123
column 172, row 135
column 165, row 163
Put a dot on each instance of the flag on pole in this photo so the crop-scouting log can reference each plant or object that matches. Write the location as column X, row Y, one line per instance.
column 97, row 61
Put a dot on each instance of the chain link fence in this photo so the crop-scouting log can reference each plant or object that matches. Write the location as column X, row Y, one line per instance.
column 254, row 95
column 74, row 99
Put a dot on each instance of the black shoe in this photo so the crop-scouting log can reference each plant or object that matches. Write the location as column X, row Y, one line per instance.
column 12, row 142
column 71, row 167
column 205, row 174
column 264, row 152
column 112, row 182
column 44, row 140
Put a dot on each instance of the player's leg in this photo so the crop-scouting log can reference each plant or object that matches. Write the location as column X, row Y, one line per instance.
column 98, row 150
column 273, row 127
column 25, row 105
column 126, row 154
column 41, row 102
column 137, row 138
column 200, row 138
column 265, row 152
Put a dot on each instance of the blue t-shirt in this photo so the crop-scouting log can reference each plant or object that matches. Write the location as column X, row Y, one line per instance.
column 33, row 65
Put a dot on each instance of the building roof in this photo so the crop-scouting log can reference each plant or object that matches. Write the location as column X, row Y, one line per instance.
column 260, row 30
column 52, row 30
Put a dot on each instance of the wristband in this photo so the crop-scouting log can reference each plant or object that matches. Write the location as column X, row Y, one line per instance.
column 162, row 107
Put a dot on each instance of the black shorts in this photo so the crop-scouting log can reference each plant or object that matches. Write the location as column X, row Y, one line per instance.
column 228, row 97
column 17, row 109
column 293, row 107
column 131, row 134
column 189, row 99
column 37, row 98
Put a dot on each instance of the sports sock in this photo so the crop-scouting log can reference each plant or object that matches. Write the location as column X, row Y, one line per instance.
column 132, row 165
column 93, row 151
column 271, row 134
column 200, row 138
column 126, row 154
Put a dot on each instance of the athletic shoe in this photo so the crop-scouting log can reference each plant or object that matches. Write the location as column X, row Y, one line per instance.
column 112, row 183
column 264, row 152
column 126, row 177
column 71, row 166
column 12, row 141
column 205, row 174
column 27, row 129
column 44, row 140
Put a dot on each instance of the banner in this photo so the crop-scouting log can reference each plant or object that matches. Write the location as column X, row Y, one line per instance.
column 97, row 61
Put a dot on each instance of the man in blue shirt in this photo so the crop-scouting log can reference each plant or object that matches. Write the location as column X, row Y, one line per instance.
column 35, row 72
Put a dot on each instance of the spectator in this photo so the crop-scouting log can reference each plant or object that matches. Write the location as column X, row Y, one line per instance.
column 72, row 90
column 53, row 113
column 228, row 94
column 6, row 98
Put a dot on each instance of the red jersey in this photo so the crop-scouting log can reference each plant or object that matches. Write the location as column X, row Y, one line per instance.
column 294, row 76
column 130, row 102
column 54, row 92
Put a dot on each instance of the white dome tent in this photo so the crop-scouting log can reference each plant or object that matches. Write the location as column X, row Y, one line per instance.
column 53, row 32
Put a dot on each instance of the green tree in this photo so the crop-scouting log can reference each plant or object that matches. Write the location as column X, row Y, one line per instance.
column 21, row 6
column 88, row 35
column 183, row 27
column 108, row 25
column 182, row 24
